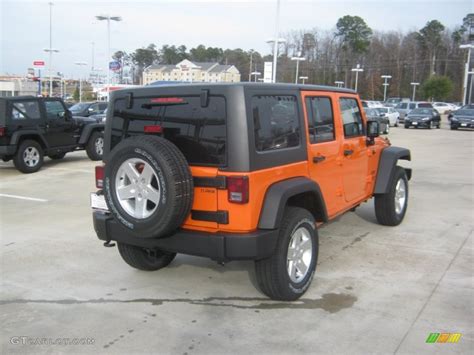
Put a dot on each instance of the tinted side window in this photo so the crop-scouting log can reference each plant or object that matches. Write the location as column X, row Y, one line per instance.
column 54, row 110
column 412, row 106
column 275, row 122
column 25, row 110
column 320, row 119
column 351, row 118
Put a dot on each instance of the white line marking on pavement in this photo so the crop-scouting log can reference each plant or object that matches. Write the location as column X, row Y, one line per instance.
column 24, row 198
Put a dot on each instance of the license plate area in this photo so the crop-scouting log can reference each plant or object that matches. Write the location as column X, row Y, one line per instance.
column 98, row 202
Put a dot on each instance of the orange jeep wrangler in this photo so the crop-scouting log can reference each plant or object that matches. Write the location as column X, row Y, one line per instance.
column 240, row 171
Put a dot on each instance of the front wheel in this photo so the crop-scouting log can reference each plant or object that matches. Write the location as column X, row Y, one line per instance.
column 29, row 157
column 287, row 274
column 95, row 146
column 144, row 259
column 390, row 208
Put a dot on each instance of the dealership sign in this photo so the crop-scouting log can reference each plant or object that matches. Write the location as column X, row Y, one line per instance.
column 38, row 64
column 267, row 72
column 114, row 66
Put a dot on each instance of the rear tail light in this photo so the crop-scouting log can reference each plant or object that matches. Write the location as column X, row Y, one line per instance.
column 2, row 131
column 238, row 189
column 99, row 176
column 153, row 129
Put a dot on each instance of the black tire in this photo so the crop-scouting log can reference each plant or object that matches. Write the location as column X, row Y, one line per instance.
column 57, row 156
column 272, row 274
column 25, row 164
column 407, row 126
column 144, row 259
column 95, row 146
column 385, row 209
column 453, row 128
column 172, row 178
column 438, row 126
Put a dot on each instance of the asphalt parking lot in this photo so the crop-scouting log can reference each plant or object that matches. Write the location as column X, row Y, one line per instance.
column 376, row 290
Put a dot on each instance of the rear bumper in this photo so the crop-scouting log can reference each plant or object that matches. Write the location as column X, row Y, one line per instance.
column 457, row 124
column 220, row 246
column 6, row 150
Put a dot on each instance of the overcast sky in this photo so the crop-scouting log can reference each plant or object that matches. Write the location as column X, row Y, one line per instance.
column 228, row 24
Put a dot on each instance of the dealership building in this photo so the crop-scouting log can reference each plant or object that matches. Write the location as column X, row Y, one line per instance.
column 187, row 70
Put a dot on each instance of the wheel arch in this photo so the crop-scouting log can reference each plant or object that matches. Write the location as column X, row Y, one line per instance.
column 388, row 160
column 18, row 137
column 298, row 192
column 88, row 130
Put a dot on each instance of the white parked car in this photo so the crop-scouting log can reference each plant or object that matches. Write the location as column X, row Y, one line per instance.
column 392, row 115
column 443, row 107
column 372, row 104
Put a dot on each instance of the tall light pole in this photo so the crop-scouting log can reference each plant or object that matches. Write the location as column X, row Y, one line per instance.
column 276, row 41
column 385, row 85
column 414, row 90
column 303, row 78
column 298, row 59
column 275, row 45
column 250, row 67
column 108, row 18
column 80, row 79
column 339, row 84
column 357, row 70
column 466, row 71
column 51, row 50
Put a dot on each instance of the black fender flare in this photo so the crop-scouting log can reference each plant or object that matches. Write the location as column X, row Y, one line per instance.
column 16, row 137
column 277, row 196
column 88, row 130
column 388, row 160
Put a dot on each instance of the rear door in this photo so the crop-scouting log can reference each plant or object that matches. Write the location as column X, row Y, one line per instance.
column 324, row 148
column 355, row 158
column 24, row 114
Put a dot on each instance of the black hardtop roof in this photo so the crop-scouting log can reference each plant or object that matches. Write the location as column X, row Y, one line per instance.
column 260, row 86
column 12, row 98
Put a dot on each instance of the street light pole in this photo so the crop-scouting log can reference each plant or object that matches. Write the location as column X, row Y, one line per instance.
column 250, row 67
column 303, row 78
column 108, row 18
column 80, row 79
column 357, row 69
column 298, row 59
column 414, row 90
column 275, row 46
column 466, row 71
column 385, row 85
column 50, row 50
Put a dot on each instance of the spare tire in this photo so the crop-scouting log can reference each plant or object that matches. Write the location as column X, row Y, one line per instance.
column 148, row 186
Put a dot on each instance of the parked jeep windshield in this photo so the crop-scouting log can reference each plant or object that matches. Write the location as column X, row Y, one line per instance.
column 199, row 132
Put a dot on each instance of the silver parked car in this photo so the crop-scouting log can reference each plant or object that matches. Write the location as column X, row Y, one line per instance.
column 405, row 107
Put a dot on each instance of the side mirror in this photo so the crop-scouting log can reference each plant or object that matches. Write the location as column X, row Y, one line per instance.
column 373, row 131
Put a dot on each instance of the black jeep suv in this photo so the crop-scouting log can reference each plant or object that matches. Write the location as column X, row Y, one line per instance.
column 32, row 127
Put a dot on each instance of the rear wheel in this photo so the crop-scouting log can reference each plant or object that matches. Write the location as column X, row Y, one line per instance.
column 390, row 208
column 145, row 259
column 287, row 274
column 29, row 157
column 95, row 146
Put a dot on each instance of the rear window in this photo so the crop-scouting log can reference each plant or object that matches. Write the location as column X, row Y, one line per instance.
column 275, row 119
column 22, row 110
column 425, row 105
column 199, row 132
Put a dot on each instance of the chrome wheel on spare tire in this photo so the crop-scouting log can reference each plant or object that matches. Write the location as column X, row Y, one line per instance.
column 148, row 186
column 138, row 188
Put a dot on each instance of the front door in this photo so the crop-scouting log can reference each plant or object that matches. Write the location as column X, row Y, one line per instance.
column 355, row 159
column 59, row 129
column 324, row 148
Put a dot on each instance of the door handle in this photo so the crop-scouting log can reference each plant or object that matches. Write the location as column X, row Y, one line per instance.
column 319, row 158
column 348, row 152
